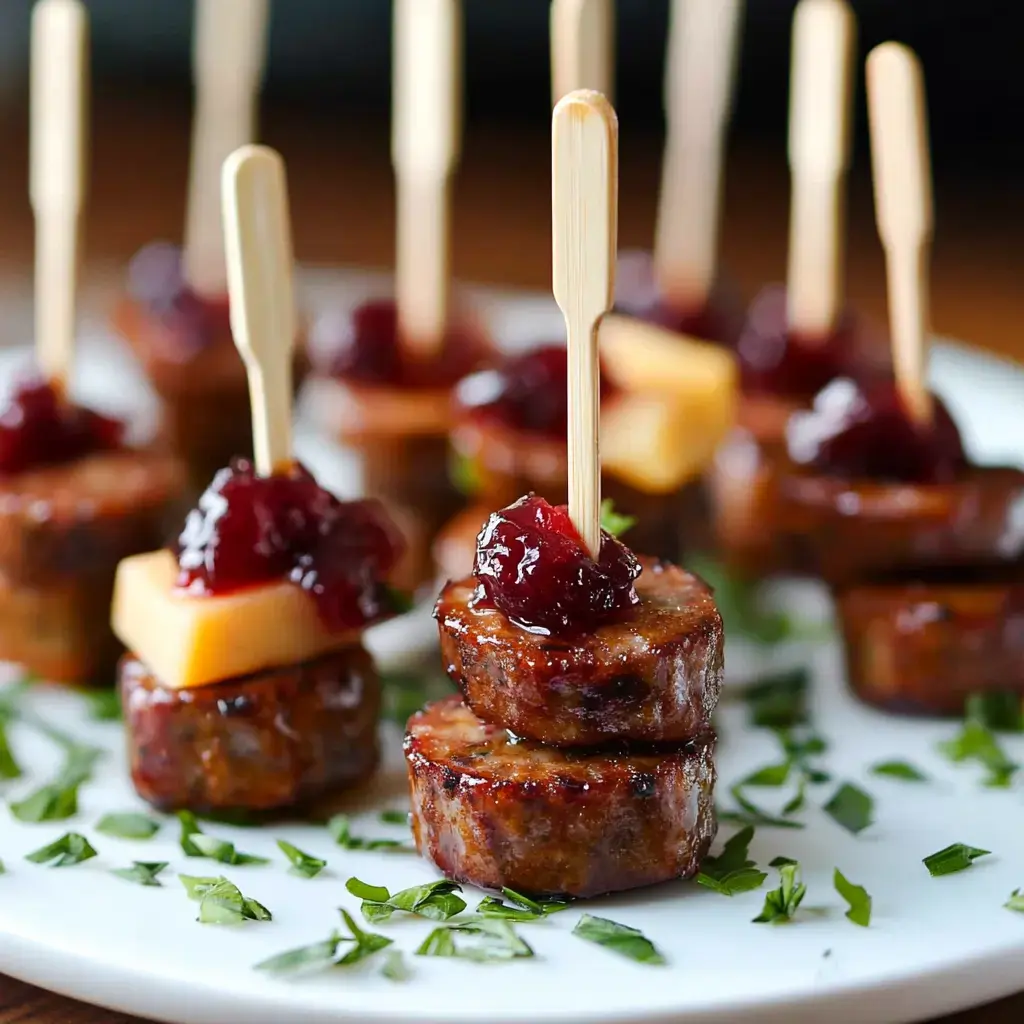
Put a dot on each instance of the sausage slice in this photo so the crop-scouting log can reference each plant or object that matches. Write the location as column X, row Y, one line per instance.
column 655, row 677
column 496, row 811
column 263, row 742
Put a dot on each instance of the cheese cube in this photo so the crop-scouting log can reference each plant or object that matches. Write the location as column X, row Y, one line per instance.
column 191, row 640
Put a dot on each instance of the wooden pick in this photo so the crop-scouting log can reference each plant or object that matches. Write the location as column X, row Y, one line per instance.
column 258, row 247
column 228, row 54
column 903, row 209
column 582, row 46
column 584, row 227
column 699, row 75
column 59, row 90
column 426, row 125
column 819, row 158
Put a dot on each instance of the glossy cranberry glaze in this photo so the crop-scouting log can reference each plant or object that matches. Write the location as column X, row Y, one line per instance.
column 775, row 361
column 370, row 353
column 527, row 392
column 865, row 434
column 38, row 428
column 157, row 282
column 533, row 567
column 249, row 530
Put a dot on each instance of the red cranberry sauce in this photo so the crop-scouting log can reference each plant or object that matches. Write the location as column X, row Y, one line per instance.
column 527, row 392
column 40, row 428
column 157, row 282
column 637, row 295
column 370, row 353
column 863, row 432
column 532, row 566
column 775, row 361
column 249, row 530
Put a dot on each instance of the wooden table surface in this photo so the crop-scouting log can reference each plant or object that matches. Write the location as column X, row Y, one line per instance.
column 341, row 199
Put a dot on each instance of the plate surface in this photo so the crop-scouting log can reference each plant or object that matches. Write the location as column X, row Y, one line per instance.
column 934, row 944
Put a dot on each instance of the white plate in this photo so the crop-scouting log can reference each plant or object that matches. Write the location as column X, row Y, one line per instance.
column 935, row 944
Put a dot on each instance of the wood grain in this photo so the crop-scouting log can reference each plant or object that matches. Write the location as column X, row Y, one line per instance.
column 342, row 210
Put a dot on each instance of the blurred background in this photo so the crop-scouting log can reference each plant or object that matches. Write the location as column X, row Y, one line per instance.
column 326, row 101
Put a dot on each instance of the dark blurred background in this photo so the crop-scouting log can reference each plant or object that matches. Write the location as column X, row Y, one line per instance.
column 326, row 102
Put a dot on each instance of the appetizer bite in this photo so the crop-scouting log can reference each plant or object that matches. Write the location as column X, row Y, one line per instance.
column 174, row 313
column 925, row 551
column 247, row 686
column 580, row 760
column 795, row 340
column 679, row 287
column 74, row 499
column 383, row 387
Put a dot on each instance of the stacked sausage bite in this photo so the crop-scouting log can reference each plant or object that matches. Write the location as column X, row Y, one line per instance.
column 579, row 758
column 247, row 686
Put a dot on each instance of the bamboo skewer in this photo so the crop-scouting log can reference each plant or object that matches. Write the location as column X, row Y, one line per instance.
column 901, row 167
column 59, row 91
column 258, row 247
column 584, row 216
column 699, row 76
column 819, row 158
column 582, row 46
column 228, row 57
column 426, row 126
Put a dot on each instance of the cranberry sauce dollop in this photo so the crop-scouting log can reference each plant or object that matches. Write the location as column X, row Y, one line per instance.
column 775, row 361
column 369, row 352
column 157, row 282
column 527, row 392
column 637, row 295
column 532, row 566
column 863, row 432
column 249, row 530
column 40, row 428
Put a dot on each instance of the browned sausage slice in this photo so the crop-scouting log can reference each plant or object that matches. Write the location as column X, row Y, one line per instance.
column 923, row 648
column 494, row 811
column 263, row 742
column 655, row 677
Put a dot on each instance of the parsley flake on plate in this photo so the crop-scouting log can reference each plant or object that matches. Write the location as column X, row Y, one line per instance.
column 1016, row 901
column 619, row 938
column 522, row 908
column 857, row 896
column 304, row 865
column 1002, row 711
column 781, row 904
column 902, row 770
column 221, row 901
column 142, row 872
column 394, row 817
column 614, row 522
column 104, row 705
column 340, row 828
column 71, row 848
column 731, row 872
column 195, row 842
column 435, row 901
column 483, row 940
column 9, row 767
column 395, row 967
column 976, row 742
column 769, row 775
column 750, row 814
column 779, row 701
column 319, row 956
column 57, row 799
column 851, row 807
column 955, row 857
column 128, row 825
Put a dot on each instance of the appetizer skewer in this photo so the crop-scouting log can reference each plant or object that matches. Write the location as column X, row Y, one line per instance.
column 497, row 798
column 175, row 314
column 247, row 686
column 384, row 385
column 73, row 499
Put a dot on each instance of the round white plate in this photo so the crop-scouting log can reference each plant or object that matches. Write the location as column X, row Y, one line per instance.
column 934, row 945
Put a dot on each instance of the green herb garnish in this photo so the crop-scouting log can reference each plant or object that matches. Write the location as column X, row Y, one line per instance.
column 303, row 960
column 778, row 862
column 955, row 857
column 1016, row 901
column 394, row 817
column 128, row 825
column 142, row 872
column 752, row 815
column 778, row 701
column 769, row 775
column 522, row 908
column 614, row 522
column 57, row 800
column 899, row 770
column 341, row 830
column 9, row 767
column 850, row 807
column 976, row 742
column 1003, row 711
column 464, row 474
column 619, row 938
column 483, row 940
column 857, row 896
column 435, row 901
column 395, row 968
column 71, row 848
column 399, row 601
column 104, row 705
column 731, row 872
column 781, row 904
column 196, row 843
column 405, row 692
column 303, row 864
column 221, row 901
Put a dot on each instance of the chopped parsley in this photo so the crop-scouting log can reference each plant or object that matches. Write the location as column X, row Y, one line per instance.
column 221, row 901
column 104, row 705
column 196, row 843
column 857, row 896
column 394, row 817
column 851, row 807
column 357, row 945
column 395, row 967
column 340, row 828
column 1016, row 901
column 902, row 770
column 1002, row 711
column 781, row 904
column 303, row 864
column 484, row 940
column 778, row 701
column 57, row 800
column 128, row 825
column 976, row 742
column 955, row 857
column 435, row 901
column 71, row 848
column 9, row 767
column 619, row 938
column 731, row 872
column 464, row 474
column 750, row 814
column 405, row 692
column 142, row 872
column 522, row 908
column 769, row 775
column 614, row 522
